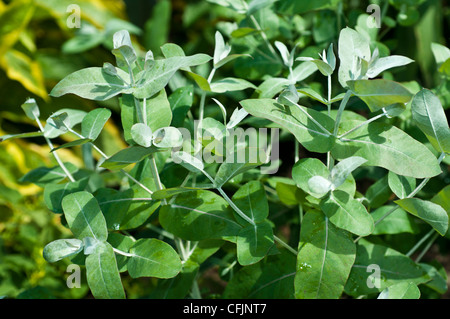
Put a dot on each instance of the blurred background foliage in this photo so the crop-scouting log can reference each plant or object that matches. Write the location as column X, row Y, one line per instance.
column 37, row 49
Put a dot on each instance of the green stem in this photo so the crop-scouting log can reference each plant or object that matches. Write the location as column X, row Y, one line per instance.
column 412, row 194
column 282, row 243
column 266, row 40
column 419, row 243
column 56, row 156
column 341, row 109
column 155, row 174
column 427, row 247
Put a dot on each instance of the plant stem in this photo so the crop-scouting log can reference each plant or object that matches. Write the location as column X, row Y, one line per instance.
column 427, row 247
column 282, row 243
column 155, row 174
column 420, row 242
column 412, row 194
column 106, row 157
column 341, row 109
column 264, row 36
column 56, row 156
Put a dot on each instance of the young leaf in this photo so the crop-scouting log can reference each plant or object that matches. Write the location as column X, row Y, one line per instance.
column 31, row 109
column 347, row 213
column 199, row 215
column 102, row 274
column 382, row 64
column 388, row 147
column 307, row 168
column 352, row 46
column 344, row 168
column 75, row 116
column 123, row 49
column 311, row 136
column 84, row 217
column 188, row 161
column 142, row 134
column 167, row 137
column 92, row 84
column 221, row 49
column 153, row 258
column 325, row 258
column 62, row 248
column 323, row 66
column 379, row 93
column 319, row 186
column 428, row 211
column 429, row 115
column 284, row 53
column 93, row 123
column 236, row 117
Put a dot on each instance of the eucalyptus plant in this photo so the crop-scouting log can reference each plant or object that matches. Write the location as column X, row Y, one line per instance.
column 196, row 209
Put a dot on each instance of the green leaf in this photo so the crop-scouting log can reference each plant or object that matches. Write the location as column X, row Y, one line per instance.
column 401, row 290
column 401, row 186
column 93, row 123
column 166, row 137
column 78, row 142
column 296, row 122
column 307, row 168
column 323, row 66
column 319, row 186
column 142, row 134
column 394, row 267
column 154, row 80
column 62, row 248
column 84, row 217
column 230, row 84
column 189, row 162
column 380, row 93
column 428, row 211
column 92, row 84
column 347, row 213
column 75, row 116
column 251, row 199
column 344, row 168
column 170, row 192
column 54, row 193
column 221, row 49
column 352, row 46
column 326, row 255
column 273, row 279
column 21, row 135
column 388, row 147
column 396, row 223
column 385, row 63
column 429, row 115
column 31, row 109
column 127, row 209
column 122, row 243
column 47, row 175
column 153, row 258
column 181, row 101
column 102, row 274
column 123, row 49
column 127, row 156
column 199, row 215
column 254, row 242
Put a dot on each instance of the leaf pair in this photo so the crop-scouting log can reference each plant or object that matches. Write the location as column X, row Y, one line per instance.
column 164, row 137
